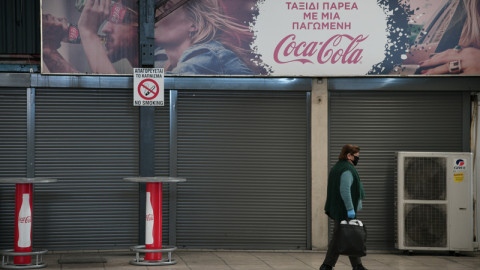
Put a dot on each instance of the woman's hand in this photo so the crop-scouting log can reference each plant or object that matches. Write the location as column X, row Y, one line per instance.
column 467, row 60
column 94, row 13
column 420, row 52
column 54, row 31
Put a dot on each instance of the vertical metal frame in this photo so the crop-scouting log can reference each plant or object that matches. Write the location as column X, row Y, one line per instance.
column 30, row 132
column 146, row 32
column 467, row 112
column 146, row 159
column 172, row 230
column 31, row 142
column 308, row 106
column 147, row 141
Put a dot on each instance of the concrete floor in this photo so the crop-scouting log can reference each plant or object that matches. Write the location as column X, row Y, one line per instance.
column 260, row 260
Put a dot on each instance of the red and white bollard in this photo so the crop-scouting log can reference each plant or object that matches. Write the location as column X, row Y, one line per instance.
column 22, row 251
column 23, row 222
column 153, row 221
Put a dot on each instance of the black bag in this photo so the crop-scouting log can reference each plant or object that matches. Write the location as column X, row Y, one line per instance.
column 352, row 238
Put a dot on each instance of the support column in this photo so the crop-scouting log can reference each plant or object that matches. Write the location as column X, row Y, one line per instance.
column 319, row 124
column 146, row 159
column 153, row 248
column 146, row 40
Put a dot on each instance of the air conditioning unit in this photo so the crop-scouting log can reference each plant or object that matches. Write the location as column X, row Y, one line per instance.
column 434, row 201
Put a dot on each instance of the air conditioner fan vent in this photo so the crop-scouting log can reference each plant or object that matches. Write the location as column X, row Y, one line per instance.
column 425, row 178
column 426, row 225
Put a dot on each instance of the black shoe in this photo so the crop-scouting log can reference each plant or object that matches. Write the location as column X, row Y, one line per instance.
column 359, row 267
column 326, row 267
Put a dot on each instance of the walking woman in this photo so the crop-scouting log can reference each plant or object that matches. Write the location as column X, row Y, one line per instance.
column 344, row 199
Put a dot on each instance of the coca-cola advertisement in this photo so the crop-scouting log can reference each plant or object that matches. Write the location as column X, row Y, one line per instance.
column 275, row 38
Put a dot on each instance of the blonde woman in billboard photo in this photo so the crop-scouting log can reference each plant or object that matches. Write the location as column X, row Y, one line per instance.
column 451, row 44
column 195, row 37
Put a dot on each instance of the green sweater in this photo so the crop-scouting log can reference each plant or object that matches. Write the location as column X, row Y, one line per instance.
column 335, row 207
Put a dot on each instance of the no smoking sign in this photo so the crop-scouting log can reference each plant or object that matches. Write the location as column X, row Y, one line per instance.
column 148, row 86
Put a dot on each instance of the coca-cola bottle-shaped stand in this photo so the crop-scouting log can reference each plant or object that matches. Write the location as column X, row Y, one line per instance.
column 153, row 223
column 22, row 252
column 23, row 222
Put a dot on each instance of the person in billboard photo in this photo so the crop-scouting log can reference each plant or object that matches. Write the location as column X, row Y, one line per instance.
column 450, row 42
column 54, row 31
column 195, row 37
column 107, row 31
column 344, row 199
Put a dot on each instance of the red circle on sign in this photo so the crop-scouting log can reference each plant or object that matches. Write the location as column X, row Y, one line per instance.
column 145, row 90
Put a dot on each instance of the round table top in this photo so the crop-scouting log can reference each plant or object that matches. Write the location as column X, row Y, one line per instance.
column 26, row 180
column 155, row 179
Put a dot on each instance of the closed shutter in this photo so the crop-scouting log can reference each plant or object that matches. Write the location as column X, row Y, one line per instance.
column 382, row 123
column 13, row 156
column 88, row 140
column 245, row 156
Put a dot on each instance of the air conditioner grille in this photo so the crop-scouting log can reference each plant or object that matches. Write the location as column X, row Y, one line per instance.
column 425, row 178
column 425, row 225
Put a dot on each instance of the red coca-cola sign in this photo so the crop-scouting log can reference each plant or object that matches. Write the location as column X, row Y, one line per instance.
column 73, row 33
column 117, row 13
column 27, row 219
column 338, row 48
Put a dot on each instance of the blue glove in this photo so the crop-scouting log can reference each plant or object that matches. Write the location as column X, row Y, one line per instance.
column 351, row 213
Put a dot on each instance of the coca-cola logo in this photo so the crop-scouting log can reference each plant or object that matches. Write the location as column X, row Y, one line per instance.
column 339, row 48
column 320, row 38
column 149, row 217
column 117, row 13
column 73, row 33
column 27, row 219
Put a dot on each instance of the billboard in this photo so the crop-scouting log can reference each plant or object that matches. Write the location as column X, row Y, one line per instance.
column 266, row 38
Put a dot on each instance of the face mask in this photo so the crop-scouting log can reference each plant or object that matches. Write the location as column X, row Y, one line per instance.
column 355, row 160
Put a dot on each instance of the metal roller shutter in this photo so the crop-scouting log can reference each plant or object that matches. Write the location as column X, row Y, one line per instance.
column 246, row 157
column 13, row 156
column 88, row 140
column 382, row 123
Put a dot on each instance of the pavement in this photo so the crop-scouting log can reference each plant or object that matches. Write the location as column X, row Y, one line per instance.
column 259, row 260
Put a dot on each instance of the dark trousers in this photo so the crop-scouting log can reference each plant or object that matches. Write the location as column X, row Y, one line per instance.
column 332, row 253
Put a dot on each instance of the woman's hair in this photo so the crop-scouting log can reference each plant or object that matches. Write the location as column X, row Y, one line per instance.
column 471, row 31
column 213, row 24
column 348, row 149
